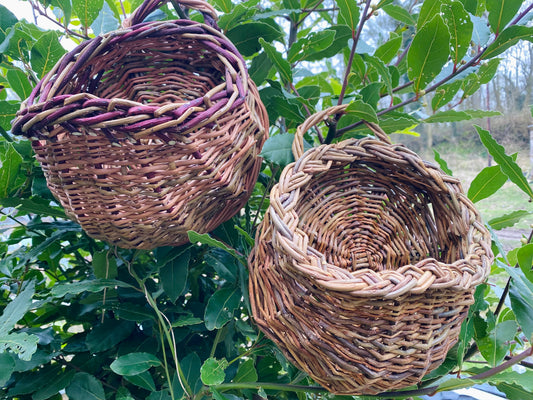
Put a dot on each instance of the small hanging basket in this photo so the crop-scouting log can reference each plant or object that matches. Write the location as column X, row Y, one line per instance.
column 149, row 131
column 365, row 263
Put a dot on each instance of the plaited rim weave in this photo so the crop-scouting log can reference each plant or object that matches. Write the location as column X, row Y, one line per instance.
column 365, row 263
column 150, row 131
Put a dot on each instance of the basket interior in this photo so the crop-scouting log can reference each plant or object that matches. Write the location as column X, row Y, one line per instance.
column 367, row 215
column 155, row 71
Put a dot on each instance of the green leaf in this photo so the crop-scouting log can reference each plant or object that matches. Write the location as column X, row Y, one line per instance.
column 513, row 391
column 508, row 165
column 442, row 163
column 523, row 379
column 10, row 162
column 220, row 307
column 508, row 220
column 362, row 110
column 470, row 6
column 8, row 112
column 246, row 372
column 190, row 365
column 388, row 50
column 381, row 69
column 160, row 395
column 208, row 240
column 20, row 343
column 260, row 68
column 18, row 81
column 448, row 116
column 7, row 366
column 186, row 320
column 123, row 394
column 429, row 9
column 17, row 308
column 65, row 7
column 246, row 36
column 477, row 114
column 521, row 295
column 107, row 335
column 370, row 94
column 486, row 183
column 428, row 52
column 348, row 13
column 223, row 5
column 56, row 385
column 105, row 21
column 307, row 47
column 487, row 70
column 278, row 149
column 7, row 20
column 507, row 38
column 282, row 65
column 460, row 27
column 525, row 260
column 85, row 387
column 399, row 14
column 87, row 10
column 495, row 346
column 104, row 265
column 223, row 264
column 501, row 12
column 134, row 363
column 46, row 52
column 444, row 94
column 93, row 286
column 342, row 35
column 143, row 380
column 33, row 206
column 287, row 108
column 174, row 275
column 213, row 371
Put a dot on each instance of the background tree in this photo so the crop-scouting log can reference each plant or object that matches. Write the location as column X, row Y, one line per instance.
column 93, row 321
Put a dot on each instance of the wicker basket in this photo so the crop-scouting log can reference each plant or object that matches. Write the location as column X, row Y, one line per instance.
column 365, row 263
column 149, row 131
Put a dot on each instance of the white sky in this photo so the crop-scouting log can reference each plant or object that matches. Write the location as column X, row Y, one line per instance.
column 22, row 9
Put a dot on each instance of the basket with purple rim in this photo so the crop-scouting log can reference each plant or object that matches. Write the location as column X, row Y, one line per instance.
column 366, row 263
column 150, row 131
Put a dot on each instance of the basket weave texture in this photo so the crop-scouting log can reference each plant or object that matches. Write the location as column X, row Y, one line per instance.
column 365, row 263
column 149, row 131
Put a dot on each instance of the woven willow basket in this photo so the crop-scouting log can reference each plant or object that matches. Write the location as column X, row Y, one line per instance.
column 365, row 263
column 149, row 131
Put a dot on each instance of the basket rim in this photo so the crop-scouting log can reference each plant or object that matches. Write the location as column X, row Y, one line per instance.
column 309, row 263
column 38, row 109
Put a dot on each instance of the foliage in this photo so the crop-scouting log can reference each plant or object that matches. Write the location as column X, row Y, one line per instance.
column 83, row 318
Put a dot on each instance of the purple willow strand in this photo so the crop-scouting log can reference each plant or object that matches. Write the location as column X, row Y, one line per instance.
column 229, row 86
column 142, row 110
column 55, row 115
column 20, row 122
column 204, row 115
column 139, row 126
column 221, row 95
column 99, row 118
column 229, row 55
column 182, row 109
column 96, row 103
column 54, row 101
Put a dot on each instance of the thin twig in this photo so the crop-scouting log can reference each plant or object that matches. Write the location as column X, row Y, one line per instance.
column 66, row 29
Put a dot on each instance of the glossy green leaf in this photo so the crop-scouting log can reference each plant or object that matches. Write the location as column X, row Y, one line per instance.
column 448, row 116
column 208, row 240
column 525, row 260
column 521, row 295
column 487, row 70
column 213, row 371
column 223, row 264
column 160, row 395
column 477, row 114
column 190, row 366
column 104, row 265
column 35, row 206
column 428, row 53
column 501, row 12
column 10, row 163
column 246, row 36
column 371, row 94
column 348, row 13
column 7, row 367
column 508, row 220
column 106, row 21
column 428, row 10
column 507, row 38
column 239, row 14
column 442, row 163
column 520, row 378
column 508, row 165
column 107, row 335
column 308, row 46
column 380, row 67
column 45, row 53
column 260, row 68
column 444, row 94
column 460, row 27
column 388, row 50
column 514, row 391
column 87, row 10
column 18, row 81
column 20, row 343
column 342, row 35
column 8, row 111
column 495, row 346
column 399, row 14
column 174, row 276
column 65, row 7
column 134, row 363
column 55, row 386
column 246, row 372
column 470, row 5
column 220, row 307
column 93, row 286
column 143, row 380
column 278, row 149
column 362, row 110
column 17, row 308
column 7, row 20
column 486, row 183
column 281, row 64
column 85, row 387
